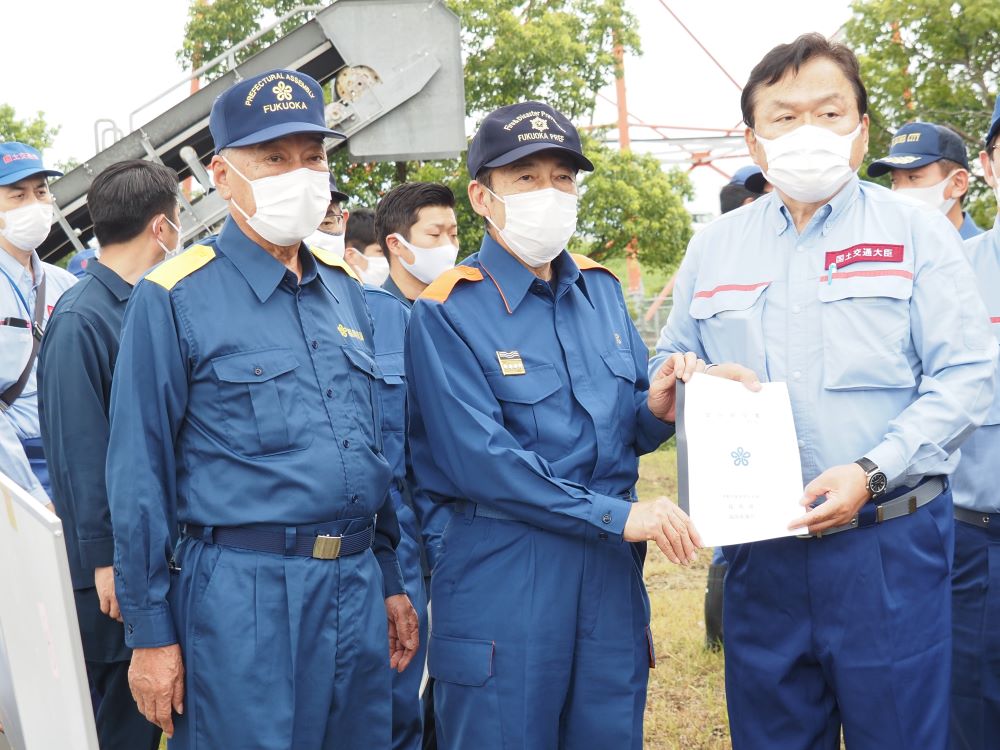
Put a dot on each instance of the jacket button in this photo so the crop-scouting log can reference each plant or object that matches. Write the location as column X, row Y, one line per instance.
column 329, row 392
column 258, row 371
column 606, row 518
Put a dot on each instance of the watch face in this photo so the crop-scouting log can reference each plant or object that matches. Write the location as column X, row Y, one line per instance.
column 877, row 483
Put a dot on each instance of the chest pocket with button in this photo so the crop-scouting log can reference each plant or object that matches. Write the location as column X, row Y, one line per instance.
column 622, row 366
column 262, row 408
column 523, row 402
column 364, row 376
column 15, row 348
column 731, row 324
column 866, row 332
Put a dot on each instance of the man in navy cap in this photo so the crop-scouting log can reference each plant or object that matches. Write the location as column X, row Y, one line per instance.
column 929, row 163
column 329, row 235
column 29, row 290
column 975, row 581
column 244, row 413
column 529, row 406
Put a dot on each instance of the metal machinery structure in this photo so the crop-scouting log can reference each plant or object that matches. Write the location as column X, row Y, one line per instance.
column 397, row 94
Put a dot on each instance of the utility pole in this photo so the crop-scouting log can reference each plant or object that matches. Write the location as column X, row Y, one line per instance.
column 633, row 269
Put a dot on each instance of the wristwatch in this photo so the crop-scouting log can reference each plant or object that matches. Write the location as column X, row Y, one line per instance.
column 877, row 481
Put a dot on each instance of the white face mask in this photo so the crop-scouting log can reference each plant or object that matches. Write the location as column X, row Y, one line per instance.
column 809, row 164
column 333, row 243
column 289, row 206
column 932, row 195
column 539, row 223
column 27, row 227
column 377, row 271
column 429, row 262
column 168, row 253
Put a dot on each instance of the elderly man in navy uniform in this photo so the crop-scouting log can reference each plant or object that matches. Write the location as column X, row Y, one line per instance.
column 245, row 416
column 529, row 407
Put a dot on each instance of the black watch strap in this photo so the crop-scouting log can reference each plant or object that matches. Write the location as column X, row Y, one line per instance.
column 867, row 464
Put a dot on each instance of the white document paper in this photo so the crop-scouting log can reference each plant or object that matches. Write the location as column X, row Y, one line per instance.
column 738, row 460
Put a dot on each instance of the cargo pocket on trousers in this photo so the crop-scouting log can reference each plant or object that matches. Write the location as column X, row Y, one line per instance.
column 466, row 687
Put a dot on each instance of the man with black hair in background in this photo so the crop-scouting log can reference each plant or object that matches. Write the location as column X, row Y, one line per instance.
column 416, row 229
column 134, row 208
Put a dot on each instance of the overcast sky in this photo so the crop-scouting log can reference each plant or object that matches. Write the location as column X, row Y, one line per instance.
column 106, row 58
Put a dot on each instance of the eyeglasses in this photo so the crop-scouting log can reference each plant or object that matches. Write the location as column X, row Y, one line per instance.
column 336, row 219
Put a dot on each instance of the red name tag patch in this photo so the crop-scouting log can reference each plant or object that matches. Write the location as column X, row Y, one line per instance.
column 864, row 253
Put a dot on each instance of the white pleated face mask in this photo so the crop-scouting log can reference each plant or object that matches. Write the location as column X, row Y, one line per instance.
column 539, row 223
column 27, row 227
column 333, row 243
column 289, row 206
column 377, row 271
column 932, row 195
column 428, row 262
column 809, row 164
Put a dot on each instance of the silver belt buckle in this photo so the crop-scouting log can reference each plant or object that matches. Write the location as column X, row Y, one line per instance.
column 326, row 547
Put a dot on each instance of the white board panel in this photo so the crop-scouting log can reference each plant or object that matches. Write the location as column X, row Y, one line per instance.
column 44, row 698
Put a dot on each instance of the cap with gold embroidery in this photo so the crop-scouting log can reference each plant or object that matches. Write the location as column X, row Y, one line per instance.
column 514, row 131
column 272, row 105
column 920, row 143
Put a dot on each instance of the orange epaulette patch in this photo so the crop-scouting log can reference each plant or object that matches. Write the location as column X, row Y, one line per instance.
column 441, row 288
column 586, row 264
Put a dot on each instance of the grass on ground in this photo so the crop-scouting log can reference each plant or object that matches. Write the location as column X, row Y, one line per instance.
column 686, row 704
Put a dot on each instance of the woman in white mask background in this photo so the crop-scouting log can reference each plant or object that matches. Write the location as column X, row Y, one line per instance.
column 417, row 230
column 929, row 163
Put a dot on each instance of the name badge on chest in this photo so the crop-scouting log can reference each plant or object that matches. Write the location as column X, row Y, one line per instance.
column 510, row 363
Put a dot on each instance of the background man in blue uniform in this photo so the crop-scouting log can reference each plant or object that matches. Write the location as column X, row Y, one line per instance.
column 364, row 254
column 929, row 163
column 330, row 234
column 134, row 208
column 863, row 303
column 529, row 407
column 975, row 692
column 29, row 290
column 422, row 214
column 244, row 410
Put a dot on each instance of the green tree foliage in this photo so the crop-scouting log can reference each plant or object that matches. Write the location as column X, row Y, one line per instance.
column 33, row 131
column 930, row 60
column 558, row 51
column 213, row 28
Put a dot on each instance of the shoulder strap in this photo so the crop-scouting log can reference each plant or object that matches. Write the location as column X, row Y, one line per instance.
column 9, row 396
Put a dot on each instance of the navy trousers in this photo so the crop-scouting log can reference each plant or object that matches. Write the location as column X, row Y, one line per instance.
column 975, row 681
column 287, row 652
column 852, row 630
column 539, row 641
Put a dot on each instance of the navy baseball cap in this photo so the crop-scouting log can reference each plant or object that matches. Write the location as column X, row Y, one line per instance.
column 918, row 144
column 994, row 123
column 18, row 161
column 272, row 105
column 514, row 131
column 336, row 195
column 741, row 175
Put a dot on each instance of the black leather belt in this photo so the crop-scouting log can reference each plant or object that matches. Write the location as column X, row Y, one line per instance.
column 978, row 518
column 315, row 540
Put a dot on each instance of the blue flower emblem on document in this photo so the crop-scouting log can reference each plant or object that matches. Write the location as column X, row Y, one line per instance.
column 740, row 457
